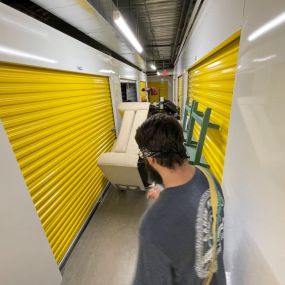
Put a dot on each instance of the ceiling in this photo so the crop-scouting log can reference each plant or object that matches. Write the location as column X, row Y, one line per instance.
column 158, row 24
column 78, row 19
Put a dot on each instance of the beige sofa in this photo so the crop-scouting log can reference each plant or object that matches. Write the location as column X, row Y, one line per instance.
column 120, row 165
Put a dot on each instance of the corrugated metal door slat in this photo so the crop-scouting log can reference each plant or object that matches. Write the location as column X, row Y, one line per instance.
column 162, row 90
column 211, row 83
column 58, row 124
column 143, row 94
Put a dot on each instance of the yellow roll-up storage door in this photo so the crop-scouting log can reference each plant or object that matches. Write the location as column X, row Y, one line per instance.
column 211, row 83
column 143, row 94
column 162, row 90
column 58, row 124
column 180, row 94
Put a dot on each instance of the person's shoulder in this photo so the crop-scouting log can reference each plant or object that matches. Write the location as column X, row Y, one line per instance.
column 204, row 181
column 200, row 181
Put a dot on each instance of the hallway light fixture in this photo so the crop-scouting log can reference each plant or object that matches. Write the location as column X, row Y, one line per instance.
column 153, row 67
column 277, row 21
column 125, row 29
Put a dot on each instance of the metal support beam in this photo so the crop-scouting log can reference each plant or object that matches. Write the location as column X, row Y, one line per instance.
column 169, row 45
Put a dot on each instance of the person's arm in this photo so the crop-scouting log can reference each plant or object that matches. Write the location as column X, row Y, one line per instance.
column 153, row 267
column 154, row 191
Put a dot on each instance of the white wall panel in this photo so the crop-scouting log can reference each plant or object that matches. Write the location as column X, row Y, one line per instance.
column 35, row 43
column 84, row 17
column 254, row 180
column 170, row 89
column 217, row 20
column 26, row 257
column 174, row 91
column 185, row 91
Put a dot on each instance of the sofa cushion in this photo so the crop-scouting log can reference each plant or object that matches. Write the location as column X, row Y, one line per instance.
column 125, row 131
column 140, row 117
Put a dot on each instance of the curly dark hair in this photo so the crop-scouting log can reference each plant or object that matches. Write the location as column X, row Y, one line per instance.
column 163, row 134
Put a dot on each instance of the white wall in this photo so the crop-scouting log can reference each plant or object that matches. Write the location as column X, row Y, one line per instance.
column 170, row 88
column 25, row 40
column 25, row 255
column 174, row 92
column 217, row 20
column 184, row 92
column 254, row 180
column 83, row 16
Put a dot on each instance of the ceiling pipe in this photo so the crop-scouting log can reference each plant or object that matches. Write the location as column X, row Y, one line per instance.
column 181, row 36
column 178, row 31
column 193, row 18
column 151, row 28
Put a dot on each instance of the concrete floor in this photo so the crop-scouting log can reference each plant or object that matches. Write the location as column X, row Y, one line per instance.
column 106, row 253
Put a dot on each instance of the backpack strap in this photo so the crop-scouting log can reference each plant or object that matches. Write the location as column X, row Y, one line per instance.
column 214, row 204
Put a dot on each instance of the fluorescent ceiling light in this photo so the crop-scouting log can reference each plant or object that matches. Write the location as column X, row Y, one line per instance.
column 125, row 29
column 107, row 71
column 267, row 27
column 19, row 53
column 153, row 67
column 264, row 58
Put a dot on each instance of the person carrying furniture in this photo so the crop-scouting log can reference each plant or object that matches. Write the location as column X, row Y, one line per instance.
column 181, row 234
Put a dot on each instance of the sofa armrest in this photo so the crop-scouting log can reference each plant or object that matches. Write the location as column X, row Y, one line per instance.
column 118, row 159
column 121, row 170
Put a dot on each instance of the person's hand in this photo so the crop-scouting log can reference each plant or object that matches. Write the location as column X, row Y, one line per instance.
column 153, row 193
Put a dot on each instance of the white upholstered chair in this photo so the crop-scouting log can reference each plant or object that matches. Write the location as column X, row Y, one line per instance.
column 120, row 165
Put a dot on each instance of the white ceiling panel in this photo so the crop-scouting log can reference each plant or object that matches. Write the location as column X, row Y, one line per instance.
column 73, row 12
column 84, row 17
column 90, row 25
column 51, row 4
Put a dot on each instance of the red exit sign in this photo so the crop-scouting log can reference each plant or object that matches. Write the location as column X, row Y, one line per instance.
column 165, row 72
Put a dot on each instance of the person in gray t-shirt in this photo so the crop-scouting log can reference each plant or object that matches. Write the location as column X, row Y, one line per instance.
column 175, row 237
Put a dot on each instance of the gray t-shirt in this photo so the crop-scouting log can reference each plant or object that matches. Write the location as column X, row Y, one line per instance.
column 176, row 237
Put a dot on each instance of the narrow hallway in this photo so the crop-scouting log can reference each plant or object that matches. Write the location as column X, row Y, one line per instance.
column 107, row 251
column 77, row 80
